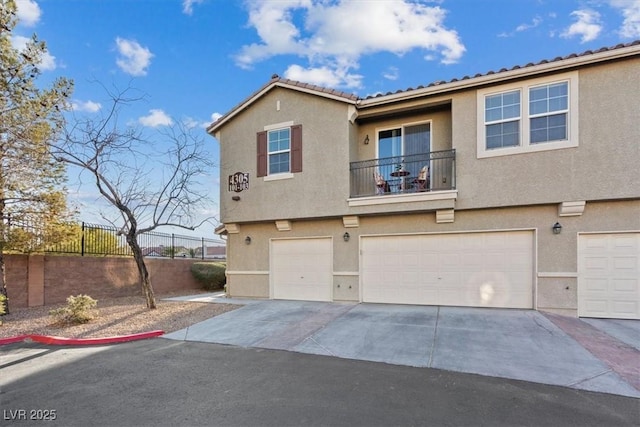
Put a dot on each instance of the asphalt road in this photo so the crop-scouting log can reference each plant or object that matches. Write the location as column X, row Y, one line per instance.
column 162, row 382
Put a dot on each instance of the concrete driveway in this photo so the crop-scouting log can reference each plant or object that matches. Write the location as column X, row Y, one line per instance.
column 594, row 354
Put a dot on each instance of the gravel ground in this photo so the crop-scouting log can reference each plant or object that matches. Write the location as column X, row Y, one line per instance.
column 115, row 316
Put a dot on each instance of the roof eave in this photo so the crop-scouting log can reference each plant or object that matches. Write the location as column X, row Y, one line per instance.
column 500, row 76
column 215, row 126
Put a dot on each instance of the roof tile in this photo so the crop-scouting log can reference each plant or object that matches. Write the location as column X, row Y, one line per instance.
column 352, row 97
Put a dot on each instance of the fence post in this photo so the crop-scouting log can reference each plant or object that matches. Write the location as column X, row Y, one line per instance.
column 82, row 241
column 173, row 246
column 202, row 247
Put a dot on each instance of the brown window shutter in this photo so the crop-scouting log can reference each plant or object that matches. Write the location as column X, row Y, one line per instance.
column 262, row 153
column 296, row 148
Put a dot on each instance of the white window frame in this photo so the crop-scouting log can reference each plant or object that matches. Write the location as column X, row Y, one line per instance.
column 525, row 146
column 273, row 128
column 402, row 127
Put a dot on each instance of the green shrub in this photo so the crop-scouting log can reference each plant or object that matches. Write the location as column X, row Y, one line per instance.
column 2, row 307
column 77, row 311
column 211, row 275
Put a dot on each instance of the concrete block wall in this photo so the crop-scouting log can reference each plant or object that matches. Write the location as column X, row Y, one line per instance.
column 17, row 271
column 38, row 280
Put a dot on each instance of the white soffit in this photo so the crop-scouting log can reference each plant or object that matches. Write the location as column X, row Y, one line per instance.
column 571, row 208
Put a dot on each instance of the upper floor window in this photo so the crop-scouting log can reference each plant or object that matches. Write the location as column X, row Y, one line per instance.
column 279, row 150
column 502, row 118
column 536, row 115
column 279, row 146
column 548, row 110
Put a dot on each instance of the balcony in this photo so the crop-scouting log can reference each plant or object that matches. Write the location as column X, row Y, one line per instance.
column 416, row 173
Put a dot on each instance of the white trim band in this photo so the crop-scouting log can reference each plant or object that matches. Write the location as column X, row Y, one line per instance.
column 558, row 274
column 404, row 198
column 248, row 272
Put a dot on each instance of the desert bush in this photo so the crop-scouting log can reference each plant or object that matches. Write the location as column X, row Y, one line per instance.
column 79, row 309
column 211, row 275
column 2, row 307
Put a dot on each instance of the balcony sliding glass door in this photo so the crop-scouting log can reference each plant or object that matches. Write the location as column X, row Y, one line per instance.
column 408, row 142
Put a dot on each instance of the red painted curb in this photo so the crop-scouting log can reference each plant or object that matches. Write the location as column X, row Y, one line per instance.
column 44, row 339
column 11, row 340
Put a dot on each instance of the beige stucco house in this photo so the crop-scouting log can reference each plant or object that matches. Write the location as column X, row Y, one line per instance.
column 518, row 188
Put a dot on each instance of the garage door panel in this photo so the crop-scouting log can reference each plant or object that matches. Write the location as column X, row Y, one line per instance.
column 625, row 264
column 622, row 307
column 596, row 264
column 302, row 269
column 609, row 275
column 467, row 269
column 596, row 285
column 624, row 242
column 625, row 285
column 597, row 307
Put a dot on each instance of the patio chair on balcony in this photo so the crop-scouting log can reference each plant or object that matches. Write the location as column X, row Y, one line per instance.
column 422, row 180
column 382, row 186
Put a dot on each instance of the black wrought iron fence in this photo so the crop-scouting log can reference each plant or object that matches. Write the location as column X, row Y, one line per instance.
column 433, row 171
column 94, row 239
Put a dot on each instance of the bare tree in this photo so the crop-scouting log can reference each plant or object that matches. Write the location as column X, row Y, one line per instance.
column 151, row 182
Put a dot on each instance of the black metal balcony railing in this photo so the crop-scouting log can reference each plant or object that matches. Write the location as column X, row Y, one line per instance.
column 416, row 173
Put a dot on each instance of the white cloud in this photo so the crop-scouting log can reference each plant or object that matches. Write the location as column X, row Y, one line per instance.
column 215, row 116
column 587, row 26
column 190, row 122
column 134, row 58
column 333, row 45
column 332, row 76
column 392, row 73
column 47, row 61
column 630, row 10
column 156, row 118
column 187, row 6
column 534, row 23
column 28, row 12
column 88, row 106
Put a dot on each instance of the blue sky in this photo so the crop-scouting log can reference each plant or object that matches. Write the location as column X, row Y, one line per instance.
column 196, row 59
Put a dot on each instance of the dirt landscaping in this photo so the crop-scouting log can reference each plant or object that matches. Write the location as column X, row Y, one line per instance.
column 116, row 316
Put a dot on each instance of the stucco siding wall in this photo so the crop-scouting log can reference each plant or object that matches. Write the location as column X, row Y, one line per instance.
column 602, row 167
column 440, row 131
column 248, row 285
column 555, row 254
column 323, row 185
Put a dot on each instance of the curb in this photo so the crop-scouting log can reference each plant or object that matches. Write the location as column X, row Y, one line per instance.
column 44, row 339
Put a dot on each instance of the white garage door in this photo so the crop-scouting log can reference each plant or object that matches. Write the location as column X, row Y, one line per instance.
column 609, row 275
column 465, row 269
column 301, row 269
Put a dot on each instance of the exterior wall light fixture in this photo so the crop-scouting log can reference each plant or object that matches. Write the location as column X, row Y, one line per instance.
column 247, row 240
column 557, row 228
column 346, row 237
column 366, row 140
